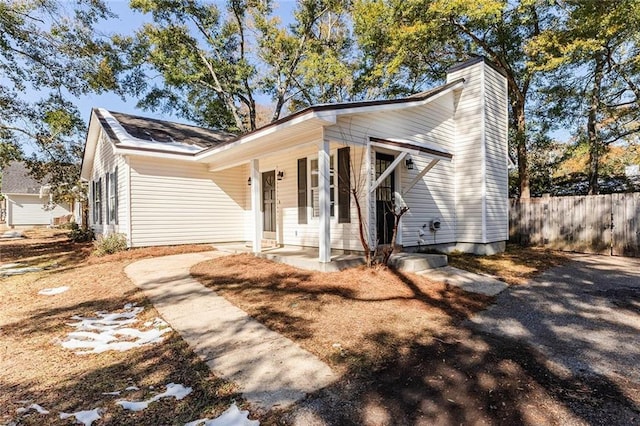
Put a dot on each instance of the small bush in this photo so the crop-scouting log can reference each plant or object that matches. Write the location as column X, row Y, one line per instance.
column 78, row 234
column 110, row 244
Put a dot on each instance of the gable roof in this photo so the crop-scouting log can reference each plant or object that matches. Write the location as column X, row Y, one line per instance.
column 135, row 135
column 16, row 180
column 336, row 107
column 149, row 133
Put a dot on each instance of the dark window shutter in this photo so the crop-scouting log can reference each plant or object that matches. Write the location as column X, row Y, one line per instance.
column 92, row 197
column 101, row 201
column 115, row 189
column 344, row 186
column 107, row 196
column 302, row 190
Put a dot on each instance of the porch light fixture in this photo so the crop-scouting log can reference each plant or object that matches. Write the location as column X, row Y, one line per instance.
column 280, row 175
column 409, row 163
column 249, row 181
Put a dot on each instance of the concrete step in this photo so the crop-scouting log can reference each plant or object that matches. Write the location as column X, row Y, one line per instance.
column 414, row 262
column 268, row 243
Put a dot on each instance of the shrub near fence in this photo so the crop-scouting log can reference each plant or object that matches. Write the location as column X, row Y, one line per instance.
column 605, row 224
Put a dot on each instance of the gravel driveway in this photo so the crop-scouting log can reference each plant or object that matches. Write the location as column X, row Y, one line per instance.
column 585, row 316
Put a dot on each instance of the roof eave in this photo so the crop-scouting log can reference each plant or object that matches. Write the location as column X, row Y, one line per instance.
column 323, row 118
column 327, row 116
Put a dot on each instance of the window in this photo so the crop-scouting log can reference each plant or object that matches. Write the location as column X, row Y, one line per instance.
column 97, row 201
column 311, row 192
column 315, row 189
column 112, row 197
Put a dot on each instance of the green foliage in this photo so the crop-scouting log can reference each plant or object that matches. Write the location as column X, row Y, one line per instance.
column 408, row 44
column 213, row 61
column 78, row 234
column 54, row 51
column 110, row 244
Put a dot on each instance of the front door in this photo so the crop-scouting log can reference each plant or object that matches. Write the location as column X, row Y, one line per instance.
column 269, row 204
column 384, row 199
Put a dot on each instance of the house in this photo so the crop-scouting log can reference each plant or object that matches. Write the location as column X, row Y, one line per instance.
column 442, row 153
column 26, row 199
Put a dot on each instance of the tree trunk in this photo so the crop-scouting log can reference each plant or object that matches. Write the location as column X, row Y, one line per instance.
column 595, row 147
column 361, row 231
column 394, row 236
column 521, row 146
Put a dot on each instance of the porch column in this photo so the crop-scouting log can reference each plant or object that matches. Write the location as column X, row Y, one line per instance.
column 324, row 189
column 255, row 206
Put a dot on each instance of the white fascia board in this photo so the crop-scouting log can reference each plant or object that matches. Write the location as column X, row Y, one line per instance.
column 129, row 151
column 21, row 194
column 399, row 105
column 395, row 148
column 325, row 118
column 91, row 144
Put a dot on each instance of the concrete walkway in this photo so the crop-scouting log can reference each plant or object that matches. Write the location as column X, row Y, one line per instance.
column 468, row 281
column 270, row 369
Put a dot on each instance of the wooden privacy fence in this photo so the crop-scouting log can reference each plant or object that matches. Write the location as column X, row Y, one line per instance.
column 605, row 224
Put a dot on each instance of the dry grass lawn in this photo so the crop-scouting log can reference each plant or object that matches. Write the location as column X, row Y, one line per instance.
column 396, row 340
column 515, row 266
column 34, row 367
column 402, row 352
column 338, row 315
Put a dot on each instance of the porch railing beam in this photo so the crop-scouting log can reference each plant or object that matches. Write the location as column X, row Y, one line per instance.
column 388, row 171
column 255, row 206
column 324, row 201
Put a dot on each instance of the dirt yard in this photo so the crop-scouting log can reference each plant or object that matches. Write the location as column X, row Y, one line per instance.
column 36, row 369
column 405, row 356
column 398, row 341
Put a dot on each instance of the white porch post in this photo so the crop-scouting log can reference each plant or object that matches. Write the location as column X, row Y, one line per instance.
column 255, row 206
column 324, row 188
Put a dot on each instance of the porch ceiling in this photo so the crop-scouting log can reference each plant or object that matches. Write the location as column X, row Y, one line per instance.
column 260, row 146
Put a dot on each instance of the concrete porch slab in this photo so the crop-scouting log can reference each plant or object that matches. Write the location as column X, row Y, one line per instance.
column 307, row 258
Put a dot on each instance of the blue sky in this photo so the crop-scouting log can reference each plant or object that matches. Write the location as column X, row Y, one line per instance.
column 126, row 23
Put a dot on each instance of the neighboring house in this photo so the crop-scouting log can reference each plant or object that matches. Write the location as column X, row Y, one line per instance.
column 27, row 202
column 442, row 153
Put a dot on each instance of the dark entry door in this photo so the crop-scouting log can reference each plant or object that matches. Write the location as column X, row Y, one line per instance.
column 384, row 199
column 269, row 203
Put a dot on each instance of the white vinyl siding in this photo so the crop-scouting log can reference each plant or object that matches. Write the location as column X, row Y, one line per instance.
column 288, row 231
column 497, row 193
column 469, row 155
column 177, row 202
column 480, row 155
column 23, row 210
column 105, row 163
column 432, row 197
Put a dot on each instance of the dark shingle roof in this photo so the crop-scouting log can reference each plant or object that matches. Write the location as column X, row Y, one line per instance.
column 163, row 132
column 16, row 180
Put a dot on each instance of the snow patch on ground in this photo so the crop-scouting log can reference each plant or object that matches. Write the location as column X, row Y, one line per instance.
column 12, row 234
column 173, row 390
column 231, row 417
column 18, row 271
column 35, row 407
column 53, row 291
column 109, row 331
column 85, row 417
